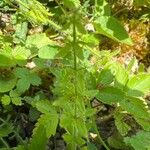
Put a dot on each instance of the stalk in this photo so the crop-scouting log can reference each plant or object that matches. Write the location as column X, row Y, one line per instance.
column 75, row 55
column 75, row 67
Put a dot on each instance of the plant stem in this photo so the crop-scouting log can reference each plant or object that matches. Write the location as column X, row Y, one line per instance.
column 96, row 129
column 60, row 7
column 75, row 68
column 98, row 135
column 74, row 44
column 74, row 54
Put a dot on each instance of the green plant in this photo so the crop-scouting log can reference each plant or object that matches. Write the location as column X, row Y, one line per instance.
column 77, row 80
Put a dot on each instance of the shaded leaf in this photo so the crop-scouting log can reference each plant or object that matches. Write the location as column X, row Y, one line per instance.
column 136, row 106
column 140, row 141
column 110, row 27
column 110, row 95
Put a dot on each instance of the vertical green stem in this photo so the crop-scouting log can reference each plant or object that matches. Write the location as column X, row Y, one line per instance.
column 101, row 141
column 98, row 135
column 74, row 42
column 75, row 67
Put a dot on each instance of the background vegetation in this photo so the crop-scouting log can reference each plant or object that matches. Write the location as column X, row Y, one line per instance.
column 74, row 74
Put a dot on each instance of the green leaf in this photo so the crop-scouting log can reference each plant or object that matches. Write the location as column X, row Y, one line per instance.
column 23, row 85
column 110, row 95
column 22, row 72
column 72, row 3
column 34, row 79
column 6, row 130
column 122, row 127
column 6, row 61
column 90, row 39
column 140, row 141
column 91, row 146
column 145, row 123
column 49, row 122
column 7, row 85
column 44, row 106
column 17, row 101
column 138, row 85
column 110, row 27
column 103, row 8
column 105, row 77
column 116, row 141
column 136, row 106
column 5, row 100
column 33, row 114
column 21, row 30
column 121, row 76
column 74, row 125
column 39, row 139
column 26, row 79
column 38, row 40
column 21, row 53
column 47, row 52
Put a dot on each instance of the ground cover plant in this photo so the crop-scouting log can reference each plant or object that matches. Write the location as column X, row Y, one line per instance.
column 73, row 76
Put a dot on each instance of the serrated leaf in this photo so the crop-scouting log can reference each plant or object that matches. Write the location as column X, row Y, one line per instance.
column 49, row 121
column 21, row 53
column 38, row 40
column 44, row 106
column 16, row 101
column 39, row 139
column 121, row 77
column 140, row 141
column 13, row 93
column 23, row 85
column 136, row 106
column 144, row 123
column 7, row 85
column 5, row 100
column 138, row 85
column 77, row 125
column 122, row 127
column 105, row 77
column 6, row 59
column 47, row 52
column 22, row 72
column 110, row 95
column 110, row 27
column 26, row 79
column 34, row 79
column 21, row 30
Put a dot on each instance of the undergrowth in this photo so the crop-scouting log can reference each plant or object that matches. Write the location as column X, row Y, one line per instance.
column 51, row 78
